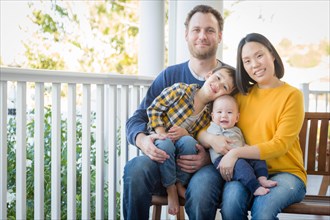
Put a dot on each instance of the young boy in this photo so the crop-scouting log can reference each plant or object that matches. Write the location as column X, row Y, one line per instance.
column 178, row 113
column 252, row 173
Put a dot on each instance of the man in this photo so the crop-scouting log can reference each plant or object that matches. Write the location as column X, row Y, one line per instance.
column 203, row 33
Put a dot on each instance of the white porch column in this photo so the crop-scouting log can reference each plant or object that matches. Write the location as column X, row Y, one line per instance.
column 178, row 10
column 152, row 37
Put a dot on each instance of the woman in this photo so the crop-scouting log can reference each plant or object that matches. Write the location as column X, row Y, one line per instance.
column 271, row 116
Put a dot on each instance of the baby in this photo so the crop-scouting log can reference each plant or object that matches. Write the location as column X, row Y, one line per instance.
column 252, row 173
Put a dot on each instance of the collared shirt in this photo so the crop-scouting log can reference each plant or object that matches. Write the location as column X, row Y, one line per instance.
column 174, row 105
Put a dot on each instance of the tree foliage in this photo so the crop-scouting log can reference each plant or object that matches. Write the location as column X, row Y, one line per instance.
column 304, row 56
column 86, row 36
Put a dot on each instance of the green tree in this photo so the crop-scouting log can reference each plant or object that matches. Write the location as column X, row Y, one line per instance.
column 303, row 55
column 87, row 36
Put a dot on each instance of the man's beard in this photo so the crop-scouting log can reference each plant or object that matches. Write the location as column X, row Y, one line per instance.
column 202, row 55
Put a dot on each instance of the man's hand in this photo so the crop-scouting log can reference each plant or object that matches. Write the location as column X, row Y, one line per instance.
column 176, row 132
column 192, row 163
column 146, row 144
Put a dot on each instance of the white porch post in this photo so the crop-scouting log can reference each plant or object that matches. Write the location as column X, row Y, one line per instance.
column 3, row 149
column 152, row 37
column 178, row 10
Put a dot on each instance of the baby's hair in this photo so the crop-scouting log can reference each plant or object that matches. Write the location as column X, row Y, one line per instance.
column 232, row 73
column 230, row 97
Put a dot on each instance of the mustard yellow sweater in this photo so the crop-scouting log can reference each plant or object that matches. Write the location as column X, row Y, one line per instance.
column 271, row 119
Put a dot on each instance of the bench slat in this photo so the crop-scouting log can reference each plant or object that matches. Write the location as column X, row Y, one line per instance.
column 323, row 160
column 311, row 148
column 311, row 205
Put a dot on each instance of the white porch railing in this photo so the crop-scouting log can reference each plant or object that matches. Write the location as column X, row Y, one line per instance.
column 316, row 100
column 113, row 98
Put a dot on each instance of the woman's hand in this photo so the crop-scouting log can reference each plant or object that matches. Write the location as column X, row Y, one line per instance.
column 176, row 132
column 192, row 163
column 228, row 161
column 227, row 164
column 146, row 144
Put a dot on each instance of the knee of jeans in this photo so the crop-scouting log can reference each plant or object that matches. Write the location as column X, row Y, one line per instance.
column 189, row 140
column 235, row 194
column 187, row 145
column 138, row 169
column 166, row 145
column 211, row 187
column 235, row 201
column 289, row 189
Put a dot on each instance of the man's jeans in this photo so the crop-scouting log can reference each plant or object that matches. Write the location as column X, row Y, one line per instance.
column 236, row 198
column 142, row 180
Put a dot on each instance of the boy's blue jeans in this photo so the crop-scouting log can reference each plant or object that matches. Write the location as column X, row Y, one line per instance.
column 237, row 199
column 170, row 173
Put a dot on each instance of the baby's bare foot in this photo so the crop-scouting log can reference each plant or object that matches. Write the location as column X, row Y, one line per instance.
column 261, row 191
column 269, row 183
column 266, row 183
column 173, row 200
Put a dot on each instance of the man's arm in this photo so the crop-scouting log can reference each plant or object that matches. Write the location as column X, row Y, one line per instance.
column 138, row 122
column 137, row 134
column 136, row 126
column 146, row 144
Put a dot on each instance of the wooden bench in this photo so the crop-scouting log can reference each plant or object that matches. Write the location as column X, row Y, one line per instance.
column 315, row 144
